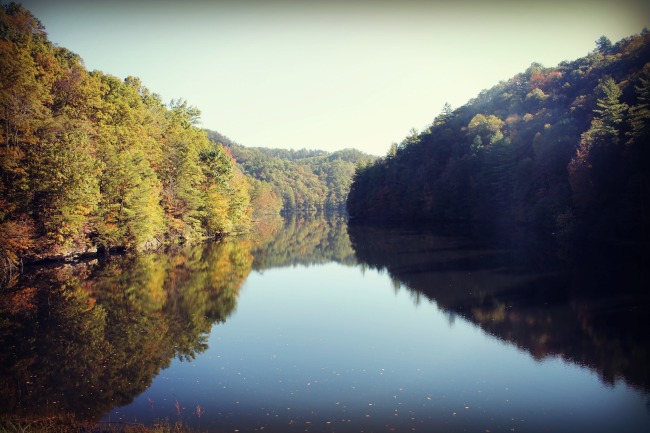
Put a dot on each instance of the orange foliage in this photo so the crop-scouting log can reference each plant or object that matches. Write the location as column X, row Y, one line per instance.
column 543, row 79
column 513, row 119
column 229, row 153
column 16, row 238
column 22, row 301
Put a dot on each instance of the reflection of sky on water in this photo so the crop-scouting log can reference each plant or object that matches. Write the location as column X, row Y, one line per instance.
column 332, row 348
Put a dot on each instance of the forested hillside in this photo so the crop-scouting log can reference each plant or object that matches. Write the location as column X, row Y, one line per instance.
column 564, row 149
column 296, row 180
column 90, row 161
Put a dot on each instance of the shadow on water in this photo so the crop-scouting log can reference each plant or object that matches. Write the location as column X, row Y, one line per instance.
column 592, row 309
column 78, row 340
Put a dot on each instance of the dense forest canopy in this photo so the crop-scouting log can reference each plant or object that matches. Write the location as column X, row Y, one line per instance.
column 564, row 149
column 90, row 161
column 296, row 180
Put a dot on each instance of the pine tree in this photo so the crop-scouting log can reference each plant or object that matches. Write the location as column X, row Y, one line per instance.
column 640, row 114
column 595, row 170
column 637, row 156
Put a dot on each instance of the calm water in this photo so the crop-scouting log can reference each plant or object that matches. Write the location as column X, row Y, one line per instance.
column 316, row 327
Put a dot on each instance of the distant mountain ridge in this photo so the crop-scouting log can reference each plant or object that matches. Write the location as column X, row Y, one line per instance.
column 295, row 180
column 564, row 149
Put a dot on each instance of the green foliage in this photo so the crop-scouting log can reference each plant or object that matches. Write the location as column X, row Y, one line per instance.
column 610, row 112
column 563, row 149
column 640, row 113
column 603, row 44
column 446, row 114
column 295, row 180
column 595, row 171
column 90, row 161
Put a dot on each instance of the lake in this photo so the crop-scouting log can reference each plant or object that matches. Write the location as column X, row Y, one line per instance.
column 312, row 325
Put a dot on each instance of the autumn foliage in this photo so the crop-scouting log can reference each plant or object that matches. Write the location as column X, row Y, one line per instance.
column 89, row 161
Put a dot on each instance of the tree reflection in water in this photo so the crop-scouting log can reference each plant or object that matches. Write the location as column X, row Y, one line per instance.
column 81, row 339
column 304, row 240
column 591, row 310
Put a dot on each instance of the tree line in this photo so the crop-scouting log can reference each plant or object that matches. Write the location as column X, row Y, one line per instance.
column 302, row 180
column 89, row 161
column 563, row 149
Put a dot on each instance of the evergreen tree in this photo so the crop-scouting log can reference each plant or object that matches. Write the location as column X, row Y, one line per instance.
column 597, row 161
column 603, row 44
column 637, row 194
column 444, row 115
column 640, row 113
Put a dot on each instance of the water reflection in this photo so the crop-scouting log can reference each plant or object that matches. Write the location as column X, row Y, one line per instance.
column 303, row 240
column 78, row 340
column 325, row 341
column 591, row 310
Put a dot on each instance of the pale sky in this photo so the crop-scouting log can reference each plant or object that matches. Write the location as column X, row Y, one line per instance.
column 328, row 75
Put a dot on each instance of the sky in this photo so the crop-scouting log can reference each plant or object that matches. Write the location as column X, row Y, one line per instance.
column 328, row 75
